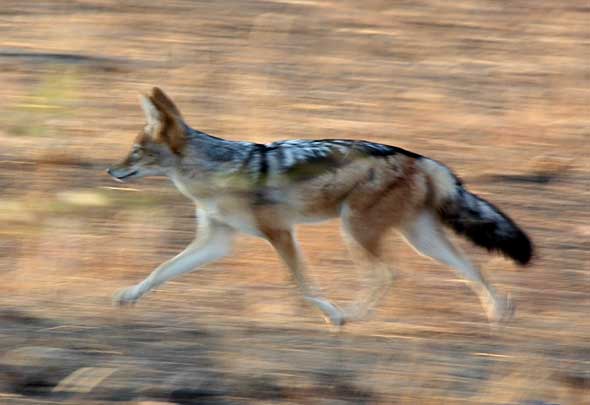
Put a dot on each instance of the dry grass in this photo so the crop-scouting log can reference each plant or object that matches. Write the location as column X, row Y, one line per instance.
column 499, row 91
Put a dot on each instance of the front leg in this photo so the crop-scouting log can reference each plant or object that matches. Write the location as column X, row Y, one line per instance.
column 212, row 243
column 284, row 243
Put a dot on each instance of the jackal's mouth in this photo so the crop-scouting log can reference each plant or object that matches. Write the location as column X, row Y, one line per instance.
column 125, row 176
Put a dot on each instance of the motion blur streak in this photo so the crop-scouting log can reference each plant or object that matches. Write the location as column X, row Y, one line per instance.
column 499, row 91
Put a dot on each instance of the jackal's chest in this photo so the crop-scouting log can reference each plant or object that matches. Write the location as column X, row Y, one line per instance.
column 227, row 207
column 235, row 213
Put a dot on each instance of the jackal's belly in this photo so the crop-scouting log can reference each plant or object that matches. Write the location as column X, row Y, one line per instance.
column 319, row 199
column 254, row 213
column 255, row 219
column 315, row 199
column 284, row 204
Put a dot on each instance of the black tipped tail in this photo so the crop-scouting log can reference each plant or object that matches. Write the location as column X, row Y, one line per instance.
column 486, row 226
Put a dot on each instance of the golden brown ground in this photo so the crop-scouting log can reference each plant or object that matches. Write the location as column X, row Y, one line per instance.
column 500, row 91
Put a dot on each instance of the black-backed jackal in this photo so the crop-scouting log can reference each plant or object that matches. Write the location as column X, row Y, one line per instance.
column 265, row 190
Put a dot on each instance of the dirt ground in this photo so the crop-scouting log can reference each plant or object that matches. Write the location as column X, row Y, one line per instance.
column 499, row 91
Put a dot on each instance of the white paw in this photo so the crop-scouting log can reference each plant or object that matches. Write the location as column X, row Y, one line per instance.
column 332, row 314
column 501, row 310
column 337, row 318
column 126, row 296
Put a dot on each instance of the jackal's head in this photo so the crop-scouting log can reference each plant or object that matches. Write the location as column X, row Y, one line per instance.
column 158, row 145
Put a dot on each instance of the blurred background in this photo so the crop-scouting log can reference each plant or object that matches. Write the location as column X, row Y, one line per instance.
column 500, row 91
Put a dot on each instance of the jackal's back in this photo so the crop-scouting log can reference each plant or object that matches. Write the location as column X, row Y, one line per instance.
column 288, row 161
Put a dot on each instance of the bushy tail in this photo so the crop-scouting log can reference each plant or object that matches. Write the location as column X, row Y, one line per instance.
column 486, row 226
column 477, row 219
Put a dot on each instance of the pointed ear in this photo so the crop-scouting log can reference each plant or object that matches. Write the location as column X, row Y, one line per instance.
column 152, row 114
column 165, row 104
column 172, row 127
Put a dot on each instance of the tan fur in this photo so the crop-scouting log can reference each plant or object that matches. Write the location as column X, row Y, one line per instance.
column 443, row 185
column 165, row 103
column 172, row 130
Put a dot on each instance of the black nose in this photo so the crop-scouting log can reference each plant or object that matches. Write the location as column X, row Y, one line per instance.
column 109, row 171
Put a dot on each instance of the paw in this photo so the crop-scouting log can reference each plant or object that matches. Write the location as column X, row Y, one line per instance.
column 125, row 296
column 336, row 318
column 331, row 313
column 501, row 310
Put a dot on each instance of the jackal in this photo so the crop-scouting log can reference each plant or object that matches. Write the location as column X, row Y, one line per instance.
column 266, row 189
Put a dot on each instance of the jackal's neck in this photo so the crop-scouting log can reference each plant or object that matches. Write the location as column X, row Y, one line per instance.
column 195, row 134
column 212, row 150
column 205, row 161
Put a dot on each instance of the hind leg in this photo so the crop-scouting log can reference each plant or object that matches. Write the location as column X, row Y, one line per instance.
column 286, row 246
column 426, row 235
column 364, row 240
